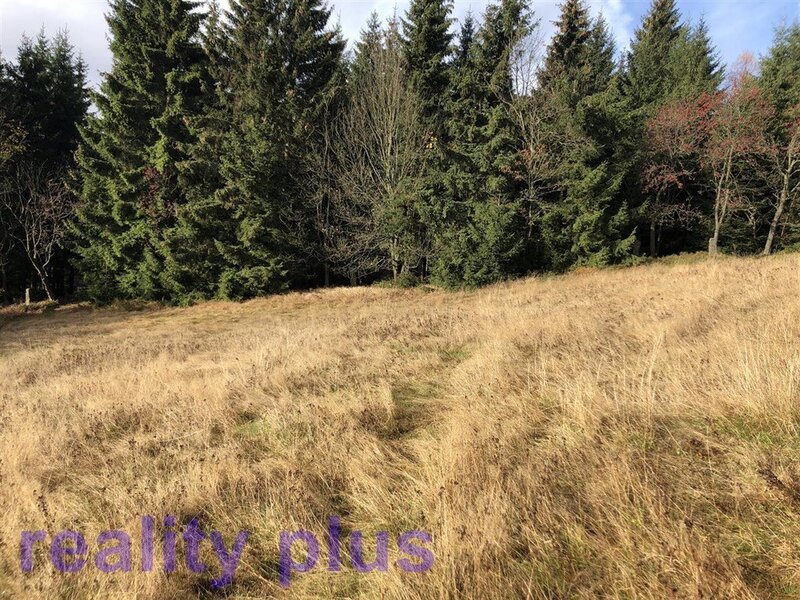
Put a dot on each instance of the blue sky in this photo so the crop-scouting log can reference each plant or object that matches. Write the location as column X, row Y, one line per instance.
column 736, row 25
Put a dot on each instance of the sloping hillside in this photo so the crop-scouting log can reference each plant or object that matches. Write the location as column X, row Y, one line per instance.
column 625, row 433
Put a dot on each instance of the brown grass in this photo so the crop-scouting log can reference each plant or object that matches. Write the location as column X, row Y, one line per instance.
column 622, row 433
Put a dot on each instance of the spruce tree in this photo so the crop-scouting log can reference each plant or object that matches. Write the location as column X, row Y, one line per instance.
column 648, row 78
column 47, row 97
column 565, row 69
column 603, row 232
column 780, row 71
column 194, row 262
column 694, row 64
column 284, row 65
column 426, row 47
column 505, row 27
column 371, row 39
column 483, row 238
column 667, row 62
column 585, row 220
column 69, row 99
column 463, row 181
column 44, row 96
column 134, row 156
column 600, row 51
column 562, row 81
column 648, row 82
column 30, row 101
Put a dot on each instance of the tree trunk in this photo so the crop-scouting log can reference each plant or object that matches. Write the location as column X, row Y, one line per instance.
column 653, row 245
column 3, row 281
column 721, row 202
column 47, row 290
column 719, row 215
column 776, row 219
column 713, row 242
column 42, row 273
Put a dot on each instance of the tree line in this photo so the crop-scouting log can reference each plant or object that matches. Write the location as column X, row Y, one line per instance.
column 230, row 154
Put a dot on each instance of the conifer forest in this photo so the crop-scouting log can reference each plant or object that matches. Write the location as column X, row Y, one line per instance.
column 229, row 154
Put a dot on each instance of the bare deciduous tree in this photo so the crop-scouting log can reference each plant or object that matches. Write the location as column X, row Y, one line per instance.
column 786, row 160
column 533, row 114
column 674, row 139
column 379, row 150
column 35, row 210
column 12, row 139
column 738, row 144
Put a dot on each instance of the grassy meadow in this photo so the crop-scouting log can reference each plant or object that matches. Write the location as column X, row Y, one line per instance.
column 622, row 433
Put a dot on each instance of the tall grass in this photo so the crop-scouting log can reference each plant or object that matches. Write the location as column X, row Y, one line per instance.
column 624, row 434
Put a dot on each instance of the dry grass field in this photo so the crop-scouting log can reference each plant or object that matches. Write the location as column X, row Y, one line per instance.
column 629, row 433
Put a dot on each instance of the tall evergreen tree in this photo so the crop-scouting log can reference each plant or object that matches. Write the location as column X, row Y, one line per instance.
column 694, row 64
column 193, row 262
column 561, row 78
column 667, row 61
column 496, row 216
column 44, row 96
column 602, row 232
column 134, row 156
column 585, row 220
column 47, row 97
column 426, row 45
column 483, row 236
column 69, row 98
column 648, row 79
column 370, row 40
column 600, row 59
column 780, row 70
column 31, row 104
column 463, row 180
column 648, row 82
column 565, row 70
column 284, row 64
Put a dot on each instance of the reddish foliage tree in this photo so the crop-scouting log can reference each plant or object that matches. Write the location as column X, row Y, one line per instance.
column 675, row 138
column 720, row 142
column 738, row 144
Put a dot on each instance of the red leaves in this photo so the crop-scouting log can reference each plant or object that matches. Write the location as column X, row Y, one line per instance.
column 674, row 138
column 708, row 133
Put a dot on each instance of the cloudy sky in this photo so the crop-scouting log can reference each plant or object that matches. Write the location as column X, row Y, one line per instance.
column 736, row 25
